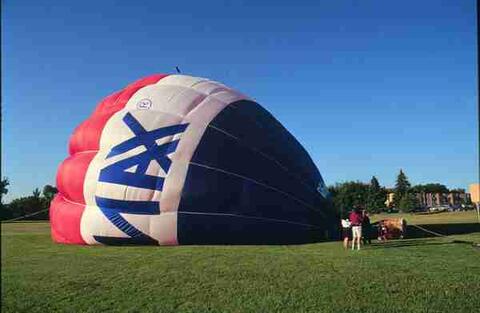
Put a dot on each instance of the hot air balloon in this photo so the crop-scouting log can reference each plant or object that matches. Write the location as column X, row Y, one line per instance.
column 175, row 159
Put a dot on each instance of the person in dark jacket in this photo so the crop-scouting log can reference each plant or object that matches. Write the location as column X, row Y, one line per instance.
column 366, row 228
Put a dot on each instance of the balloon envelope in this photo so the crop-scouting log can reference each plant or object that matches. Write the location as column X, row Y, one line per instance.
column 174, row 159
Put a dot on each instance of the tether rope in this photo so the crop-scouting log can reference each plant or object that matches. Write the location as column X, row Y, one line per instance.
column 449, row 237
column 428, row 231
column 24, row 216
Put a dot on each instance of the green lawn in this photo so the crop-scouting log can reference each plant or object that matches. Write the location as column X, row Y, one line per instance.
column 412, row 275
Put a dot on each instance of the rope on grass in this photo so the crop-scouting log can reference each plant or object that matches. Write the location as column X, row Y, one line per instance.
column 428, row 231
column 25, row 216
column 449, row 237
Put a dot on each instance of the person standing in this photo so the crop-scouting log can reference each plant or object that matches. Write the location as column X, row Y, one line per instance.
column 346, row 232
column 366, row 226
column 382, row 229
column 356, row 223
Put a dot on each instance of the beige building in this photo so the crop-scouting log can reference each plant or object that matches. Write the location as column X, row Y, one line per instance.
column 474, row 190
column 389, row 200
column 430, row 199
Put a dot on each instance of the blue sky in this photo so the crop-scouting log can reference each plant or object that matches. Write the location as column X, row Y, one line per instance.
column 368, row 87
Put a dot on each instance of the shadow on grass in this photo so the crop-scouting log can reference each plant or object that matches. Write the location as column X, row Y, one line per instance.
column 418, row 237
column 443, row 229
column 410, row 243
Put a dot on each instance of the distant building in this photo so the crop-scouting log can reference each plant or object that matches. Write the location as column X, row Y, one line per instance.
column 389, row 200
column 431, row 199
column 474, row 190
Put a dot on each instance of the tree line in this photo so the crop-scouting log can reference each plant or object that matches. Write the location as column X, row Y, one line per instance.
column 372, row 196
column 37, row 201
column 347, row 195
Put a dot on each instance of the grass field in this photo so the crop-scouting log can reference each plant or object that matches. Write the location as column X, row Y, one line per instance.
column 412, row 275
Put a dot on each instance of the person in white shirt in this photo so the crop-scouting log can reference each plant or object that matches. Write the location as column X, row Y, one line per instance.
column 346, row 231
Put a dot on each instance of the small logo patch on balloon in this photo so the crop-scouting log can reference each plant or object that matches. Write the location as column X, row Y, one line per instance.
column 144, row 104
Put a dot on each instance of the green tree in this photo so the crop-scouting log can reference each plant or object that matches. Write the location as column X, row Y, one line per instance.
column 31, row 204
column 348, row 194
column 4, row 183
column 402, row 187
column 49, row 192
column 430, row 188
column 36, row 193
column 376, row 196
column 5, row 212
column 27, row 205
column 408, row 203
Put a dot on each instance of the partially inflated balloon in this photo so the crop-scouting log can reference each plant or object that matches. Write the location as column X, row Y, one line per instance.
column 174, row 159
